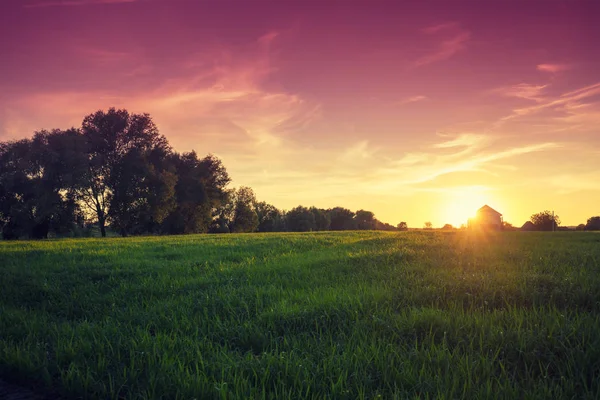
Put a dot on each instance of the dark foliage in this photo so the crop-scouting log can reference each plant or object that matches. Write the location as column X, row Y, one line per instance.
column 593, row 224
column 118, row 172
column 545, row 221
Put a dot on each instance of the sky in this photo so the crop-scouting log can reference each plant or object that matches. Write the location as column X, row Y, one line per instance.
column 417, row 110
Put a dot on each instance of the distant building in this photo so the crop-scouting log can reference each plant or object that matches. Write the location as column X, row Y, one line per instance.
column 528, row 226
column 486, row 218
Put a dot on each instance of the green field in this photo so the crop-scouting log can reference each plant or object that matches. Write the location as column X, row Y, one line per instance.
column 341, row 315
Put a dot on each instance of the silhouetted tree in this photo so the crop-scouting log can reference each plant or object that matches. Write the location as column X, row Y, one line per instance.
column 447, row 227
column 143, row 192
column 427, row 225
column 341, row 219
column 300, row 219
column 200, row 193
column 269, row 217
column 384, row 226
column 364, row 220
column 545, row 221
column 245, row 218
column 402, row 226
column 322, row 219
column 593, row 224
column 114, row 140
column 35, row 196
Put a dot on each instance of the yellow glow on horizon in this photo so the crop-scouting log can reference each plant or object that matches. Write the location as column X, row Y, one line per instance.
column 463, row 204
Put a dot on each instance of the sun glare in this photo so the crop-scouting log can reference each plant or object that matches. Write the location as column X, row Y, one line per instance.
column 463, row 204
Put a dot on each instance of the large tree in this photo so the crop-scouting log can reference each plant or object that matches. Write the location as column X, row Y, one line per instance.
column 200, row 193
column 364, row 220
column 545, row 221
column 36, row 180
column 244, row 218
column 270, row 218
column 117, row 141
column 593, row 224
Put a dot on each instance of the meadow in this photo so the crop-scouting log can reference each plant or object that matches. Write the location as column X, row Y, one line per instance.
column 348, row 315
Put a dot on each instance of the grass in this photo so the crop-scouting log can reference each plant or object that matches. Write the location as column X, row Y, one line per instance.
column 350, row 315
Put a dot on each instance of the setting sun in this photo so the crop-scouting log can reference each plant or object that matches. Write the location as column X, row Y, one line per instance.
column 463, row 205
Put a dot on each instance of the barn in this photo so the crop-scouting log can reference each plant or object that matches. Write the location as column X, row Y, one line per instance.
column 487, row 218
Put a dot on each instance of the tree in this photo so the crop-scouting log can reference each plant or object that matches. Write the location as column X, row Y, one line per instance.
column 580, row 227
column 245, row 218
column 114, row 141
column 300, row 219
column 545, row 221
column 402, row 226
column 427, row 225
column 593, row 224
column 447, row 227
column 269, row 217
column 322, row 219
column 200, row 195
column 341, row 219
column 143, row 192
column 384, row 226
column 364, row 220
column 58, row 157
column 35, row 196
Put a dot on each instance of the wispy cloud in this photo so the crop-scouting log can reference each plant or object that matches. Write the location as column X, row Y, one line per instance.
column 463, row 140
column 553, row 68
column 412, row 99
column 570, row 102
column 476, row 155
column 446, row 48
column 523, row 91
column 439, row 27
column 67, row 3
column 221, row 101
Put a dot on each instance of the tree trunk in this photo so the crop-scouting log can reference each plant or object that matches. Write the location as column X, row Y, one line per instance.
column 101, row 223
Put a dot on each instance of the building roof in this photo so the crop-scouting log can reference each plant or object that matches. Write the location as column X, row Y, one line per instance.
column 528, row 226
column 488, row 209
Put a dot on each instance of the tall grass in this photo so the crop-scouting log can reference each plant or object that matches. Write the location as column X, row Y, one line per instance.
column 350, row 315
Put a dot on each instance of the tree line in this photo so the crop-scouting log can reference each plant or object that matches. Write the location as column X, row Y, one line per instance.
column 548, row 221
column 118, row 172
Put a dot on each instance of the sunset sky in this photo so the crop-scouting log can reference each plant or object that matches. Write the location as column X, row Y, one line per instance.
column 418, row 111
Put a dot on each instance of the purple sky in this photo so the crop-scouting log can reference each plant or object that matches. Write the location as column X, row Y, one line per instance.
column 418, row 111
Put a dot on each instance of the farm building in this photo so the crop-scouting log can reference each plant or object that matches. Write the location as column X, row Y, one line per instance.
column 528, row 226
column 486, row 218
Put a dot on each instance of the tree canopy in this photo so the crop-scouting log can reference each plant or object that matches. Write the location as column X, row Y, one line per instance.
column 545, row 221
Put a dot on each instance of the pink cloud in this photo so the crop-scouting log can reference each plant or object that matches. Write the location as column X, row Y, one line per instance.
column 577, row 104
column 523, row 91
column 412, row 99
column 436, row 28
column 553, row 68
column 446, row 48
